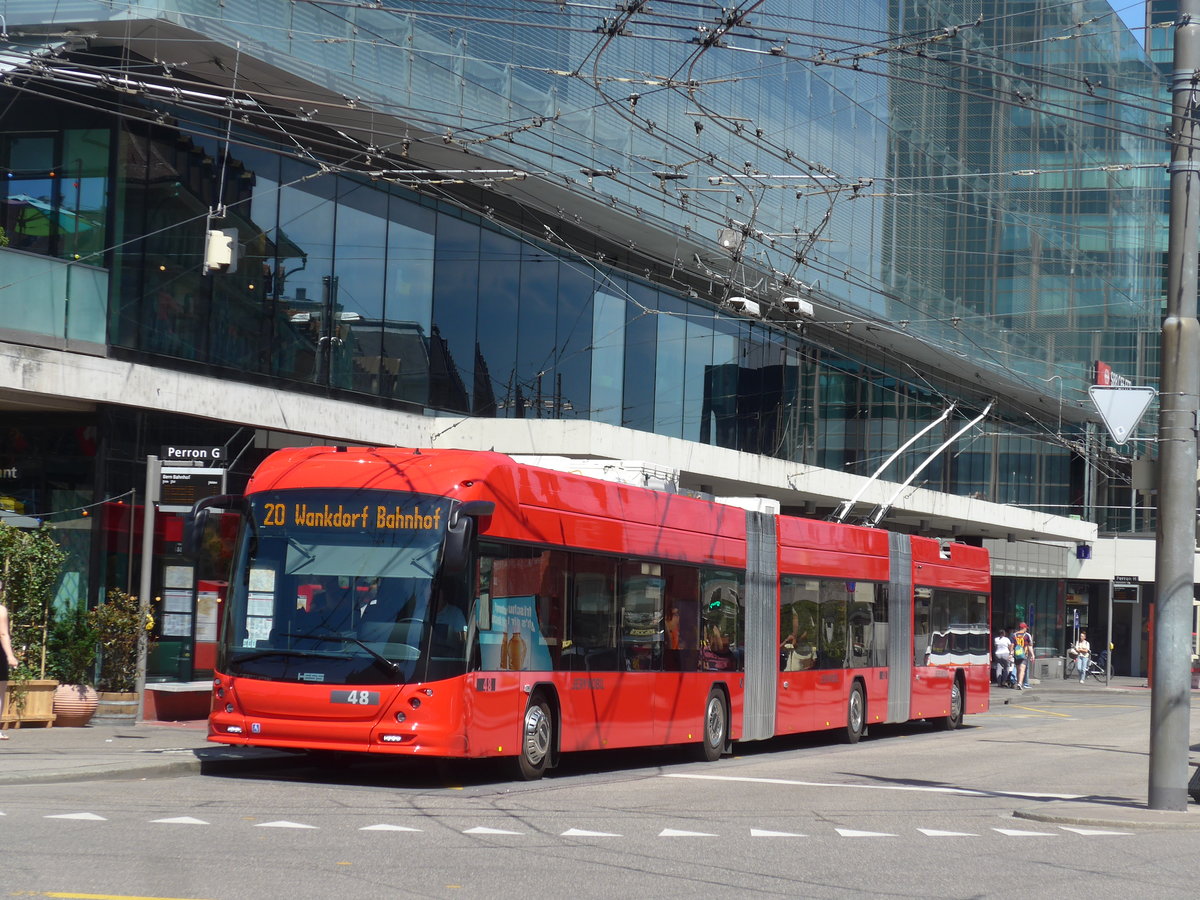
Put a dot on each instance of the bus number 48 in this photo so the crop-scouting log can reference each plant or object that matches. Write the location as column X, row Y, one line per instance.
column 357, row 698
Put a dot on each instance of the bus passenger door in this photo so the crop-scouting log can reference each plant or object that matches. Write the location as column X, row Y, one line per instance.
column 797, row 654
column 929, row 647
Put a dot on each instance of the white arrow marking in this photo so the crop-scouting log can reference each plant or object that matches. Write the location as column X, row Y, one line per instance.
column 934, row 833
column 282, row 825
column 850, row 832
column 1012, row 832
column 578, row 832
column 86, row 817
column 758, row 832
column 672, row 832
column 387, row 828
column 1091, row 830
column 181, row 820
column 482, row 830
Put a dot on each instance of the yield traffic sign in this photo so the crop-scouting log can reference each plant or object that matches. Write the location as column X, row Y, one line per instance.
column 1121, row 407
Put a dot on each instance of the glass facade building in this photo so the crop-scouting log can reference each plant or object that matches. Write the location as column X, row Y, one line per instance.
column 544, row 211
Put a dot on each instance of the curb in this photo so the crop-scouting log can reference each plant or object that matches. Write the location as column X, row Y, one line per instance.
column 1099, row 815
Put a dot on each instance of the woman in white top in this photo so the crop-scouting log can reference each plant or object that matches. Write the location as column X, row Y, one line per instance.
column 1083, row 652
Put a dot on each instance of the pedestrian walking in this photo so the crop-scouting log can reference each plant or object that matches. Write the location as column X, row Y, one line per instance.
column 1002, row 656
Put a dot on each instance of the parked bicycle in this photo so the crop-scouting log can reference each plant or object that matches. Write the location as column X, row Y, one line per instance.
column 1095, row 668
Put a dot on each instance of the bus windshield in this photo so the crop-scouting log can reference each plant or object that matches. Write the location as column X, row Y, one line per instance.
column 337, row 586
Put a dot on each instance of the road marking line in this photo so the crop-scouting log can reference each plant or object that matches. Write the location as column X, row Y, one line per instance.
column 180, row 820
column 385, row 827
column 850, row 832
column 1091, row 831
column 578, row 832
column 758, row 832
column 482, row 830
column 1012, row 832
column 283, row 824
column 1044, row 712
column 922, row 789
column 71, row 896
column 84, row 817
column 673, row 832
column 931, row 832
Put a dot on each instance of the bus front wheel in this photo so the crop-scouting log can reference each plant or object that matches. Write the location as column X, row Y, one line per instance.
column 715, row 728
column 537, row 733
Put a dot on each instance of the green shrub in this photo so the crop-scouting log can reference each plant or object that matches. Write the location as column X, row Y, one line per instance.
column 120, row 624
column 72, row 647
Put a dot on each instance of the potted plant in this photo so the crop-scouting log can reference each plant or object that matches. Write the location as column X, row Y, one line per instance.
column 121, row 625
column 32, row 565
column 72, row 652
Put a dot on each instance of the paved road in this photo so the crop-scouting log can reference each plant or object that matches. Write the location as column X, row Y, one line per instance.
column 909, row 812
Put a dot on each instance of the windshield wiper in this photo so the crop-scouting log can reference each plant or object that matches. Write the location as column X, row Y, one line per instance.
column 347, row 638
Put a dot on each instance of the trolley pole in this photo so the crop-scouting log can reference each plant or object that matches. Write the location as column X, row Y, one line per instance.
column 1177, row 425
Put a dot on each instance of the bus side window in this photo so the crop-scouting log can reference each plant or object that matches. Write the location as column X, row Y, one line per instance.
column 681, row 611
column 593, row 615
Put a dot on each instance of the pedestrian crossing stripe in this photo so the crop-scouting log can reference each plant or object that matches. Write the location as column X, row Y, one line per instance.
column 931, row 832
column 1012, row 832
column 1092, row 831
column 850, row 832
column 578, row 832
column 179, row 820
column 758, row 832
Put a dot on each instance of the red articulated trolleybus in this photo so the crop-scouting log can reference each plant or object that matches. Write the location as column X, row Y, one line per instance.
column 455, row 603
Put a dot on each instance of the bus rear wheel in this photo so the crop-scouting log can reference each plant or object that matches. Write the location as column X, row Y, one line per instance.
column 856, row 714
column 537, row 733
column 715, row 728
column 954, row 718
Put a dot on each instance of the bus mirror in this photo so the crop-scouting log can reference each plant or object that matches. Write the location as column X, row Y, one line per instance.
column 197, row 520
column 193, row 532
column 460, row 532
column 473, row 509
column 457, row 549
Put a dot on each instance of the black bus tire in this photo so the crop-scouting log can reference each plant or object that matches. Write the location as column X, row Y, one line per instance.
column 714, row 730
column 856, row 714
column 954, row 718
column 537, row 738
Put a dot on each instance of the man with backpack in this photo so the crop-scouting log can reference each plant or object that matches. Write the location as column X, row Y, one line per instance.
column 1022, row 642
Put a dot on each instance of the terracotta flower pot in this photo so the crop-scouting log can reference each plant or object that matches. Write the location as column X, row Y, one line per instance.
column 74, row 705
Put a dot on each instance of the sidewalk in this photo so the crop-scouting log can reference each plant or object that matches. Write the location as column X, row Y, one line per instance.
column 1094, row 815
column 145, row 750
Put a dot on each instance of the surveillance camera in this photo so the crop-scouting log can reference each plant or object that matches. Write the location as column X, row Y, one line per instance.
column 799, row 306
column 744, row 304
